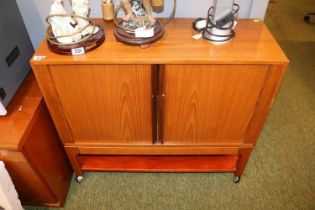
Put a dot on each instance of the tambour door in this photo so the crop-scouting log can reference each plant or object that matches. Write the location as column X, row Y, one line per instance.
column 107, row 104
column 209, row 104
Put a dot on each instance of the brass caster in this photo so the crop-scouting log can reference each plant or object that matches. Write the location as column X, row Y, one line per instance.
column 79, row 179
column 236, row 179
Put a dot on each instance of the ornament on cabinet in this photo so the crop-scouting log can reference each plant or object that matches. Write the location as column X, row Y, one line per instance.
column 71, row 33
column 108, row 10
column 138, row 26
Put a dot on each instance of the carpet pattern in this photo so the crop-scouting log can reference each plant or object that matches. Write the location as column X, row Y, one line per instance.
column 281, row 171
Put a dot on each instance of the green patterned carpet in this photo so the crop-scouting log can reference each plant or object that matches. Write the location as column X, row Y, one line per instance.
column 281, row 170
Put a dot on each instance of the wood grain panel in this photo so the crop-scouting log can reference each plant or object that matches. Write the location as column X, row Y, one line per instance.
column 210, row 103
column 51, row 98
column 44, row 152
column 160, row 150
column 267, row 98
column 106, row 103
column 29, row 186
column 217, row 163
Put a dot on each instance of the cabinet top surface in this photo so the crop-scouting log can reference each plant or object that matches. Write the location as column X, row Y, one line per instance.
column 253, row 44
column 14, row 126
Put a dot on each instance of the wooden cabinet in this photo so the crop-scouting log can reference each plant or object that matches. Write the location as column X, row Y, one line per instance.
column 180, row 105
column 31, row 149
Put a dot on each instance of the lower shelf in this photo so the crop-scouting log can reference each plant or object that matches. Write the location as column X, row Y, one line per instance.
column 152, row 163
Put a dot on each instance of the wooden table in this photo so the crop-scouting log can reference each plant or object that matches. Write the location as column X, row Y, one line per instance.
column 31, row 149
column 179, row 105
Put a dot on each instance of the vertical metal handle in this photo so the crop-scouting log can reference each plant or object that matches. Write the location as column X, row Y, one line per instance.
column 157, row 104
column 154, row 98
column 160, row 104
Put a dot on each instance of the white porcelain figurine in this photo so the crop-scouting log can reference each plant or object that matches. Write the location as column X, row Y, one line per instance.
column 81, row 8
column 62, row 26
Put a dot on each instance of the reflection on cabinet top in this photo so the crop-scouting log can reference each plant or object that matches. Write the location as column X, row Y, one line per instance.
column 252, row 44
column 20, row 118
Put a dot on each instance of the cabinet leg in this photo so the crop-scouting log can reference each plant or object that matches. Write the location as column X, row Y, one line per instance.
column 72, row 153
column 244, row 154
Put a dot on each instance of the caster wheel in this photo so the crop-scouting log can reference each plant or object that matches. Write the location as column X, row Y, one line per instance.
column 236, row 179
column 307, row 18
column 79, row 179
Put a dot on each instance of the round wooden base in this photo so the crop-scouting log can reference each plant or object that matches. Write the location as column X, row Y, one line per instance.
column 130, row 39
column 91, row 43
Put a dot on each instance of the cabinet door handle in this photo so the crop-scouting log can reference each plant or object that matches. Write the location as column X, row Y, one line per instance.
column 157, row 103
column 160, row 105
column 154, row 98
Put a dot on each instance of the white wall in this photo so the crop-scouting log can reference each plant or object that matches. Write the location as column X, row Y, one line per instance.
column 34, row 12
column 258, row 9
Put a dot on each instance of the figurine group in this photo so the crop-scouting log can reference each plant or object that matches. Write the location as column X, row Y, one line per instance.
column 72, row 29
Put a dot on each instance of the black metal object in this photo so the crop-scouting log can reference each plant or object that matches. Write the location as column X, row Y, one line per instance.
column 15, row 50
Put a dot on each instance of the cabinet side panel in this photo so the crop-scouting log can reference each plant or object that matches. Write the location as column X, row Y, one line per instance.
column 51, row 98
column 29, row 186
column 45, row 153
column 267, row 98
column 106, row 103
column 206, row 104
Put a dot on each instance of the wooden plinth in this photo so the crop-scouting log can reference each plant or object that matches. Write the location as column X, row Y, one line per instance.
column 91, row 43
column 130, row 39
column 151, row 163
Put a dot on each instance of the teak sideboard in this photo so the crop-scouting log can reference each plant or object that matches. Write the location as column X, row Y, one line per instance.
column 181, row 105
